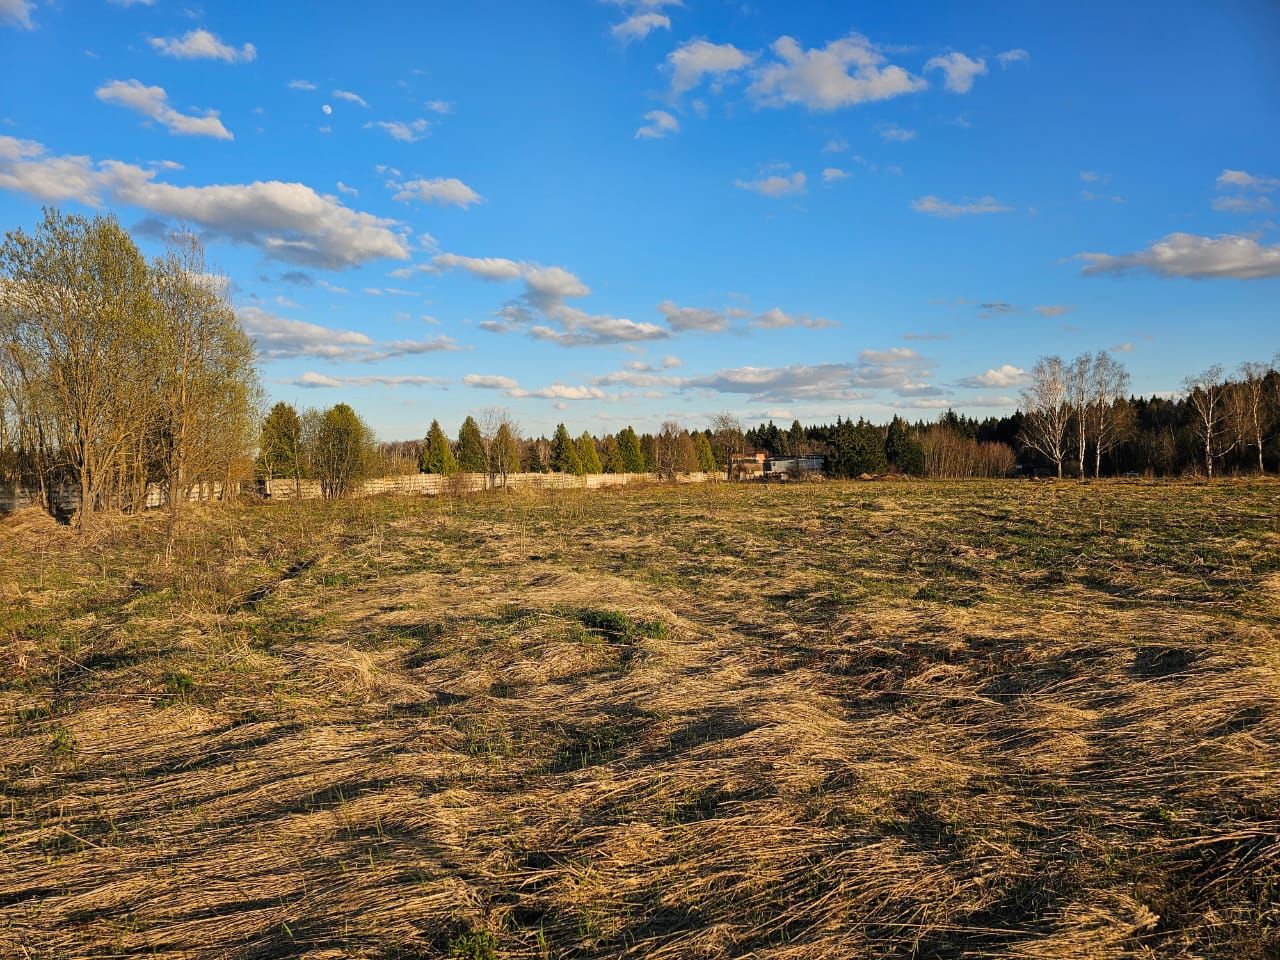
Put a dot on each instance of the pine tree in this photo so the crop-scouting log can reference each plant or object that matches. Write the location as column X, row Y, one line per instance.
column 437, row 457
column 471, row 454
column 632, row 454
column 588, row 454
column 686, row 458
column 564, row 455
column 611, row 455
column 902, row 452
column 706, row 459
column 649, row 448
column 796, row 440
column 533, row 457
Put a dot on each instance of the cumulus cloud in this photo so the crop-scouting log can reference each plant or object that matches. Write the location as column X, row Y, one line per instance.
column 682, row 319
column 1240, row 180
column 283, row 337
column 1054, row 309
column 936, row 207
column 845, row 72
column 287, row 221
column 350, row 97
column 640, row 25
column 777, row 319
column 1005, row 375
column 899, row 369
column 775, row 186
column 1188, row 255
column 152, row 102
column 959, row 70
column 832, row 174
column 203, row 45
column 1016, row 55
column 1241, row 204
column 512, row 388
column 406, row 131
column 448, row 191
column 691, row 62
column 825, row 381
column 545, row 291
column 661, row 124
column 17, row 13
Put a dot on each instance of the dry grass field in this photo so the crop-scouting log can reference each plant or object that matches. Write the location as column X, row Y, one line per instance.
column 933, row 720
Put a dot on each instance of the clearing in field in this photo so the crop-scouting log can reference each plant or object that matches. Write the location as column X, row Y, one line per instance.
column 849, row 720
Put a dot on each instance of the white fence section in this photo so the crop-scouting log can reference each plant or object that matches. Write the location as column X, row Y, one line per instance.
column 423, row 484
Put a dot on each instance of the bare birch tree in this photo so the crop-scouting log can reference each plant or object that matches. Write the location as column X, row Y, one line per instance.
column 1047, row 413
column 1255, row 414
column 1079, row 373
column 1109, row 418
column 1206, row 395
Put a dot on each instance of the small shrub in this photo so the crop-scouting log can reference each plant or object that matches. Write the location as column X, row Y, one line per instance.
column 474, row 945
column 179, row 685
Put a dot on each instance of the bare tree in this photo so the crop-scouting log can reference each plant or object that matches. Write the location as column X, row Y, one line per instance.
column 1047, row 412
column 668, row 450
column 1110, row 418
column 1079, row 374
column 501, row 434
column 727, row 437
column 1254, row 414
column 1206, row 394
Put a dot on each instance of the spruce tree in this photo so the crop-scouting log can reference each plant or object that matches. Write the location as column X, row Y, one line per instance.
column 588, row 454
column 471, row 454
column 649, row 448
column 564, row 455
column 611, row 456
column 437, row 457
column 706, row 459
column 533, row 458
column 504, row 454
column 632, row 454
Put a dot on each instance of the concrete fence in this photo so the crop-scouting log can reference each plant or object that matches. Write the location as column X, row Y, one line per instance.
column 67, row 498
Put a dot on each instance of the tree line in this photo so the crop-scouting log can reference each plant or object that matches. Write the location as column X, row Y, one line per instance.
column 118, row 373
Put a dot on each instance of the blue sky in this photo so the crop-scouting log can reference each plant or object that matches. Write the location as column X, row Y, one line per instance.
column 613, row 212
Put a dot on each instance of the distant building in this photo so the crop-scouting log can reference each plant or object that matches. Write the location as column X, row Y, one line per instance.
column 746, row 466
column 780, row 467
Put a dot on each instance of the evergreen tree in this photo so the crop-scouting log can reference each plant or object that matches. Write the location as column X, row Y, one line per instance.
column 796, row 441
column 901, row 451
column 471, row 454
column 611, row 456
column 341, row 450
column 857, row 449
column 564, row 455
column 631, row 452
column 706, row 459
column 588, row 454
column 533, row 462
column 280, row 445
column 686, row 458
column 649, row 448
column 437, row 457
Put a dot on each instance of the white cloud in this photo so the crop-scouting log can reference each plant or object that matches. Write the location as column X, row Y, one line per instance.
column 826, row 381
column 312, row 380
column 350, row 97
column 777, row 319
column 410, row 131
column 832, row 174
column 774, row 186
column 448, row 191
column 282, row 337
column 438, row 106
column 1241, row 204
column 489, row 382
column 660, row 124
column 203, row 45
column 894, row 133
column 1005, row 375
column 1054, row 309
column 152, row 102
column 640, row 25
column 959, row 69
column 326, row 109
column 845, row 72
column 17, row 13
column 301, row 85
column 692, row 61
column 936, row 207
column 1240, row 180
column 545, row 291
column 1089, row 176
column 1188, row 255
column 287, row 221
column 1016, row 55
column 681, row 319
column 835, row 146
column 670, row 361
column 349, row 191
